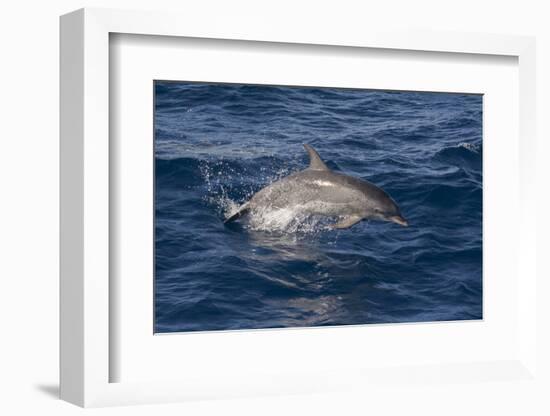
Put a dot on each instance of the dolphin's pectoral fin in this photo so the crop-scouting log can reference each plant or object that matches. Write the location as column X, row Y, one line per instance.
column 315, row 162
column 347, row 222
column 242, row 210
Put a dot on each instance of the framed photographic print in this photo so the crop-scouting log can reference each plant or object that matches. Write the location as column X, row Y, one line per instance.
column 279, row 213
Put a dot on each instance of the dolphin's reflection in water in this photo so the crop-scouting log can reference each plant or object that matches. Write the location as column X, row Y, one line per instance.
column 308, row 299
column 303, row 311
column 280, row 246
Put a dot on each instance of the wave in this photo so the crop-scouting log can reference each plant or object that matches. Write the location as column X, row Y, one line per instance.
column 225, row 184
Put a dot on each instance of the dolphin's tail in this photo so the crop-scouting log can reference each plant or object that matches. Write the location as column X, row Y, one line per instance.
column 243, row 209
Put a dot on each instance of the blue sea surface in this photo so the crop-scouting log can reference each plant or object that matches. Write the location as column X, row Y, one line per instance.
column 217, row 144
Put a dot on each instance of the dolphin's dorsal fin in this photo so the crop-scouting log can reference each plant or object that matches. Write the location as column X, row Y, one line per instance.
column 315, row 162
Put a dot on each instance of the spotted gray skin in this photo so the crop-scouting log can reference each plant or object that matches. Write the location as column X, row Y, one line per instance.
column 318, row 190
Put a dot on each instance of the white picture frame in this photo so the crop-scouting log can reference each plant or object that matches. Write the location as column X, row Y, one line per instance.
column 85, row 211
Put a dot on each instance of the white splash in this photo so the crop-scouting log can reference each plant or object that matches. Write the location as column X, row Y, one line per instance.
column 227, row 205
column 286, row 220
column 469, row 146
column 294, row 220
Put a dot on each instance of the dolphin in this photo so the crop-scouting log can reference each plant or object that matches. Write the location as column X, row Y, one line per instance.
column 318, row 190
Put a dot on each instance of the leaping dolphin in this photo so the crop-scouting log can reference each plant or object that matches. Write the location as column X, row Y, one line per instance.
column 318, row 190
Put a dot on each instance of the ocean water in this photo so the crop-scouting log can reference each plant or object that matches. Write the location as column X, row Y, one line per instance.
column 216, row 144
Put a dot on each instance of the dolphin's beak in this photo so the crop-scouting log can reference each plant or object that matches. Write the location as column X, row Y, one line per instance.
column 398, row 219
